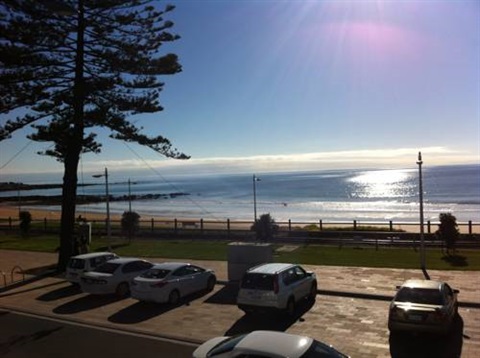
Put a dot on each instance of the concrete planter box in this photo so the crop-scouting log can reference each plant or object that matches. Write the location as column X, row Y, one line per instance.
column 243, row 255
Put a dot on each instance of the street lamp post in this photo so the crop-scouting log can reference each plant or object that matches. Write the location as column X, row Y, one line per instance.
column 107, row 200
column 422, row 239
column 255, row 179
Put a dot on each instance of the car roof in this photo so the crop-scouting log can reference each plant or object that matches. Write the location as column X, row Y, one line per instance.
column 170, row 265
column 429, row 284
column 270, row 268
column 125, row 260
column 277, row 343
column 92, row 255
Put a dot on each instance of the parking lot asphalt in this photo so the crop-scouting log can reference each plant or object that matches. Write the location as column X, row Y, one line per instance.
column 350, row 311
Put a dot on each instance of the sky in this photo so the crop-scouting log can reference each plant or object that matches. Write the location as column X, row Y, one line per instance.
column 299, row 85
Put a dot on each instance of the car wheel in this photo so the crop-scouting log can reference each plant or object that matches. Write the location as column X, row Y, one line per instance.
column 211, row 283
column 290, row 309
column 174, row 297
column 122, row 289
column 313, row 292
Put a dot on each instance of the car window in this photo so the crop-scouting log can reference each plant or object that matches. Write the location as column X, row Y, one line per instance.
column 299, row 273
column 78, row 264
column 155, row 273
column 288, row 277
column 321, row 350
column 419, row 295
column 131, row 267
column 107, row 267
column 225, row 346
column 258, row 281
column 182, row 271
column 195, row 269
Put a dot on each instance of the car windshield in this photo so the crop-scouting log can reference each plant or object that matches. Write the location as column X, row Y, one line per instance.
column 76, row 264
column 225, row 346
column 155, row 273
column 419, row 295
column 258, row 281
column 107, row 267
column 321, row 350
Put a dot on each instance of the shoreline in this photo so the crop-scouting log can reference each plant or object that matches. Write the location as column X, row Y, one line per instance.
column 10, row 211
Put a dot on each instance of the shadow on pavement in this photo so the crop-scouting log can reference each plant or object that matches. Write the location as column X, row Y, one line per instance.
column 227, row 295
column 406, row 344
column 142, row 311
column 21, row 340
column 271, row 322
column 86, row 303
column 60, row 293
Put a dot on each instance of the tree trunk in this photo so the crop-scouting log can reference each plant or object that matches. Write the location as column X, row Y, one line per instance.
column 69, row 198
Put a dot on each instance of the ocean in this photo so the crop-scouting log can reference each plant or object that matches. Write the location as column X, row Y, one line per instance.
column 331, row 195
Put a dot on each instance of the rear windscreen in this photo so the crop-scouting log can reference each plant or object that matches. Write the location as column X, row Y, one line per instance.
column 258, row 281
column 155, row 273
column 419, row 295
column 76, row 264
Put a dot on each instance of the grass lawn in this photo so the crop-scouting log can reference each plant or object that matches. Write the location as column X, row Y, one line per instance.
column 307, row 254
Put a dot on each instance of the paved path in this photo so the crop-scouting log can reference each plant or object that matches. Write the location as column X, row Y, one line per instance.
column 350, row 311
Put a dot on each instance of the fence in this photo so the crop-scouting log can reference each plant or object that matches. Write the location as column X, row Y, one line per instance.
column 230, row 227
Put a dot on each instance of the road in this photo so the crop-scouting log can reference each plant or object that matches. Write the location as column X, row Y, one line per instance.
column 34, row 337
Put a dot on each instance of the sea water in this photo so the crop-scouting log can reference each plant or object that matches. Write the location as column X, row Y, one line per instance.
column 332, row 196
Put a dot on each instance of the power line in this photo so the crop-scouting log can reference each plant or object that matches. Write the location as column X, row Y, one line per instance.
column 16, row 154
column 171, row 184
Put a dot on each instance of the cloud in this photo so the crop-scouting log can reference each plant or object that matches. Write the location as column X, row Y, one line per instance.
column 354, row 159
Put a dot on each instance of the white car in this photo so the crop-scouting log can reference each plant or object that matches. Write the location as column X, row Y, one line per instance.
column 275, row 286
column 113, row 276
column 266, row 344
column 170, row 281
column 79, row 264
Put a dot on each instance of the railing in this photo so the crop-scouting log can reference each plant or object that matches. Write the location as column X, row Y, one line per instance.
column 15, row 270
column 228, row 226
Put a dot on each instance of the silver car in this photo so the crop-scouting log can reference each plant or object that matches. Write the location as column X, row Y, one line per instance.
column 423, row 306
column 170, row 281
column 266, row 344
column 79, row 264
column 275, row 286
column 113, row 277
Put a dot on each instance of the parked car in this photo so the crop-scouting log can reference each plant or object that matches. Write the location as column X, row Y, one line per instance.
column 266, row 344
column 423, row 305
column 113, row 276
column 275, row 286
column 84, row 263
column 170, row 281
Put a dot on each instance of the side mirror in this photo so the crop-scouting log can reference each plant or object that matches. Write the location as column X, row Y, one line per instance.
column 456, row 292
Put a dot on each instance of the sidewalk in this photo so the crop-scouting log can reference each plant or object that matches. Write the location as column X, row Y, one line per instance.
column 350, row 311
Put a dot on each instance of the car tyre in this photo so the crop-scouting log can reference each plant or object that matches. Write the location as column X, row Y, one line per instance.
column 174, row 297
column 212, row 280
column 122, row 290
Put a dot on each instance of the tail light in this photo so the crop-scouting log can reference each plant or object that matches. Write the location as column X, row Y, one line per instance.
column 159, row 284
column 275, row 284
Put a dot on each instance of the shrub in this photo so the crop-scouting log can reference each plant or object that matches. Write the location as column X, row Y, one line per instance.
column 130, row 224
column 25, row 220
column 265, row 227
column 448, row 231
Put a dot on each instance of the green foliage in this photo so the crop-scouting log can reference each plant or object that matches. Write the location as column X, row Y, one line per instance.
column 130, row 223
column 448, row 230
column 401, row 258
column 68, row 66
column 25, row 221
column 265, row 227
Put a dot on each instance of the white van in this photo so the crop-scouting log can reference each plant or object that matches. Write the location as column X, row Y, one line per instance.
column 84, row 263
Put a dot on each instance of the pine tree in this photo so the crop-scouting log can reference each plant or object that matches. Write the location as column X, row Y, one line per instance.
column 68, row 66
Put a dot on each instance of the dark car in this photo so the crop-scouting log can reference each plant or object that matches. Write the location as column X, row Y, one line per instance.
column 423, row 306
